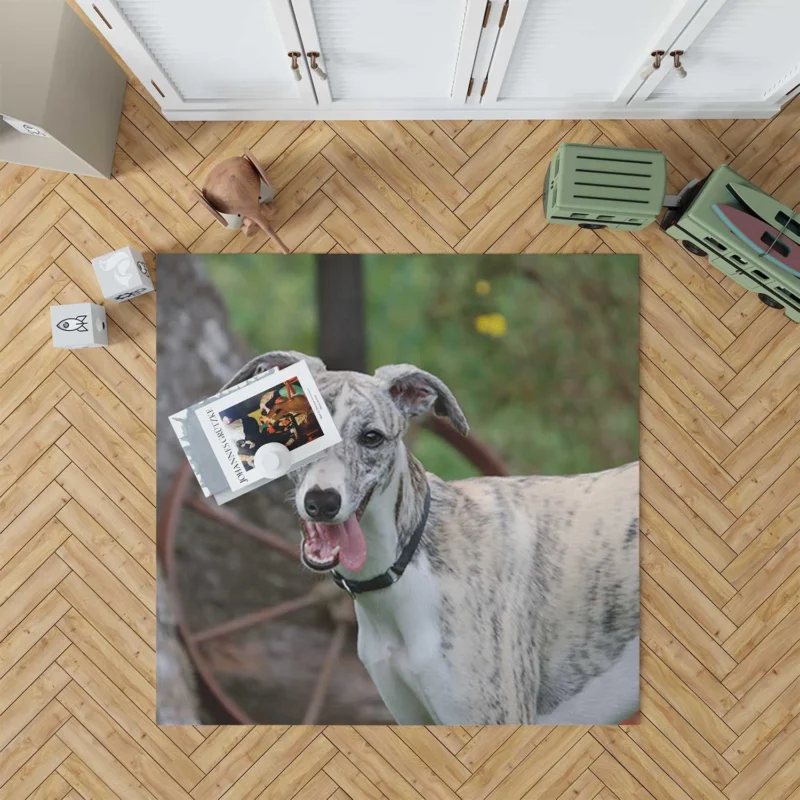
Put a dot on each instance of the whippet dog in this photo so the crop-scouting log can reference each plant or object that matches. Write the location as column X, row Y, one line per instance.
column 480, row 601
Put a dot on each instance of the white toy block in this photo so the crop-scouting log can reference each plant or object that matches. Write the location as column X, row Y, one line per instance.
column 78, row 325
column 122, row 274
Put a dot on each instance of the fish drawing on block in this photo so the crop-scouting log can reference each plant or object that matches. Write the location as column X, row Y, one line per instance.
column 120, row 264
column 77, row 324
column 761, row 237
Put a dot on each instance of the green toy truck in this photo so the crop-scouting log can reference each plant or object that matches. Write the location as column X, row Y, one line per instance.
column 702, row 232
column 610, row 187
column 605, row 187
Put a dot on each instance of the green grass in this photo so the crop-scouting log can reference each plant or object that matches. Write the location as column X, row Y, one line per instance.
column 556, row 392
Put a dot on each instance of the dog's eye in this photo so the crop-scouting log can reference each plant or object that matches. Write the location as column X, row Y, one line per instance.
column 371, row 438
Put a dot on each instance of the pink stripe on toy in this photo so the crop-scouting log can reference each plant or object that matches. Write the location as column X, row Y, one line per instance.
column 764, row 239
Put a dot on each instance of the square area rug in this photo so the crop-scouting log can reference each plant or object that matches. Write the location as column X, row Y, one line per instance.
column 458, row 543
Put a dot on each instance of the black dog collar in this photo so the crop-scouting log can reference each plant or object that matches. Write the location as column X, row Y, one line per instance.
column 392, row 575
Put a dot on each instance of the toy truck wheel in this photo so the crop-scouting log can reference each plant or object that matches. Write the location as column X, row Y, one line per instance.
column 693, row 248
column 769, row 301
column 592, row 226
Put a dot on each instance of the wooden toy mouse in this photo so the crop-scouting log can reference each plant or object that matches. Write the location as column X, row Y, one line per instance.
column 233, row 188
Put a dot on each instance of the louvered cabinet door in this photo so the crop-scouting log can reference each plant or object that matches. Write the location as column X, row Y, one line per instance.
column 745, row 51
column 208, row 54
column 554, row 54
column 387, row 54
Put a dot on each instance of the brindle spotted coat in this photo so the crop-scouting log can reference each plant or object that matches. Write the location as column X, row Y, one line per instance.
column 523, row 594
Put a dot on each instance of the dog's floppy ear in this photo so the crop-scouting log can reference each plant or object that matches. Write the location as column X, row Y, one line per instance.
column 414, row 391
column 276, row 358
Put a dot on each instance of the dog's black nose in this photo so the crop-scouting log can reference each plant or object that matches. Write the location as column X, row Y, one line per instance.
column 322, row 504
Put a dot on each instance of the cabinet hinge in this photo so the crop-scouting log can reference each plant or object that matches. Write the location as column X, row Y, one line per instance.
column 483, row 88
column 486, row 13
column 503, row 15
column 469, row 88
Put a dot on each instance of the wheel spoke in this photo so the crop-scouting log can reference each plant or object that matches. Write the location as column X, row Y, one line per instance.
column 323, row 681
column 255, row 618
column 232, row 520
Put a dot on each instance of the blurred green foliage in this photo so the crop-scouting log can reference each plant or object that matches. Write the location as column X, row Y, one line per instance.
column 542, row 352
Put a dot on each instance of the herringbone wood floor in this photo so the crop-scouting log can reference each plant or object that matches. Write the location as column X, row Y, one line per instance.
column 720, row 406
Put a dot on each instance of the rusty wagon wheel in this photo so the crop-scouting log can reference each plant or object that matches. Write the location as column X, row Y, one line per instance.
column 183, row 492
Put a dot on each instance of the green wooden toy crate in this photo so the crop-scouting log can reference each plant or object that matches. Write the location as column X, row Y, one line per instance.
column 702, row 232
column 605, row 187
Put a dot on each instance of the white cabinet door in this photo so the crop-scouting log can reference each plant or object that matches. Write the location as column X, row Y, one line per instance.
column 206, row 53
column 575, row 53
column 747, row 51
column 386, row 54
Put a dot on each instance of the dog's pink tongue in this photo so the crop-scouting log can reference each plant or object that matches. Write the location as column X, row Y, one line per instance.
column 349, row 537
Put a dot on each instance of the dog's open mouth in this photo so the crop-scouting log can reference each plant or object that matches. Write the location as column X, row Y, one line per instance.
column 326, row 545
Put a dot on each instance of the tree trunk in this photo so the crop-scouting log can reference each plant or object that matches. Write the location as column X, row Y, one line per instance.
column 340, row 300
column 221, row 574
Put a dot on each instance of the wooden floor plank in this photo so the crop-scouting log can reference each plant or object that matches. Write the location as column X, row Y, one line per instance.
column 759, row 699
column 685, row 412
column 284, row 167
column 720, row 467
column 38, row 697
column 418, row 220
column 682, row 555
column 688, row 704
column 37, row 296
column 31, row 230
column 147, row 156
column 84, row 782
column 236, row 762
column 91, row 208
column 28, row 524
column 103, row 473
column 688, row 631
column 489, row 158
column 12, row 176
column 158, row 203
column 774, row 527
column 159, row 131
column 426, row 168
column 352, row 783
column 30, row 267
column 96, row 395
column 756, row 622
column 108, row 770
column 685, row 593
column 118, row 451
column 90, row 605
column 30, row 484
column 491, row 773
column 437, row 143
column 32, row 192
column 687, row 740
column 764, row 418
column 130, row 573
column 209, row 135
column 101, row 703
column 656, row 419
column 756, row 737
column 109, row 587
column 371, row 222
column 36, row 734
column 497, row 183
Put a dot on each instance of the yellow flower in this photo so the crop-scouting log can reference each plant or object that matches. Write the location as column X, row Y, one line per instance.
column 483, row 287
column 491, row 325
